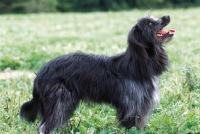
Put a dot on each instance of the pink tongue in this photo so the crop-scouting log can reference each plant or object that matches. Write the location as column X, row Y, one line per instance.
column 163, row 32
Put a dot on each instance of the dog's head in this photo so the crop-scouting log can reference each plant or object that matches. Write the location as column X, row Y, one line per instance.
column 149, row 31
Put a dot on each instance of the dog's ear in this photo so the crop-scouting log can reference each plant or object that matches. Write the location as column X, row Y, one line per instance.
column 134, row 37
column 135, row 42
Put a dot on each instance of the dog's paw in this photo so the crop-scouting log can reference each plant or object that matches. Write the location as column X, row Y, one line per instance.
column 40, row 128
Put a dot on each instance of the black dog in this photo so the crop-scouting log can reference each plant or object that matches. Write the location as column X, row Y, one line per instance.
column 127, row 81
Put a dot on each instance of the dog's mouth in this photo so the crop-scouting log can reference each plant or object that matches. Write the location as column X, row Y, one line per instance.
column 162, row 32
column 164, row 21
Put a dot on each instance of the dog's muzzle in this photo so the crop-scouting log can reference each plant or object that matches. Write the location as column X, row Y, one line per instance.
column 164, row 21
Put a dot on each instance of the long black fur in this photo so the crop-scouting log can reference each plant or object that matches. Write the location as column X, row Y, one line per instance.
column 127, row 81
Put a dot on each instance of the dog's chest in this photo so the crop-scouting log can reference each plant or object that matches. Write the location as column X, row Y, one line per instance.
column 147, row 90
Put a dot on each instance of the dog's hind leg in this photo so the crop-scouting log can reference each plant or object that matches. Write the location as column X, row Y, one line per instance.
column 58, row 106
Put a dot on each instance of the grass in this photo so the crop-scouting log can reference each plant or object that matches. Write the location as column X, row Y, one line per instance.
column 28, row 41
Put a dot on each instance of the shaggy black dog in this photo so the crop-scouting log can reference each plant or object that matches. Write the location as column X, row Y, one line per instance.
column 127, row 81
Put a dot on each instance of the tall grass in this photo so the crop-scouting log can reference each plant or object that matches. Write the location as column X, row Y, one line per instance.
column 28, row 41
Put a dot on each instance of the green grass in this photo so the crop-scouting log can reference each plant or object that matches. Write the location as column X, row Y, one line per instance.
column 28, row 41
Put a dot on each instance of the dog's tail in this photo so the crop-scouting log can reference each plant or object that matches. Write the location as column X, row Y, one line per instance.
column 30, row 109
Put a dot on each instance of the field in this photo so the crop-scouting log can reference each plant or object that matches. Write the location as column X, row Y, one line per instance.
column 28, row 41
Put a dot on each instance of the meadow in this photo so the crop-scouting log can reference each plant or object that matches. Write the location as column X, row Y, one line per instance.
column 27, row 41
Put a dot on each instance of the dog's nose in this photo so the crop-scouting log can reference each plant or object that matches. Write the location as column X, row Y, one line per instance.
column 166, row 17
column 165, row 20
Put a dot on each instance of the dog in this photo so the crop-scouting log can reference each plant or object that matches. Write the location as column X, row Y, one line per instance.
column 127, row 81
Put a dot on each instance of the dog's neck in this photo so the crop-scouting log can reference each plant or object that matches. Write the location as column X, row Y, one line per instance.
column 136, row 60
